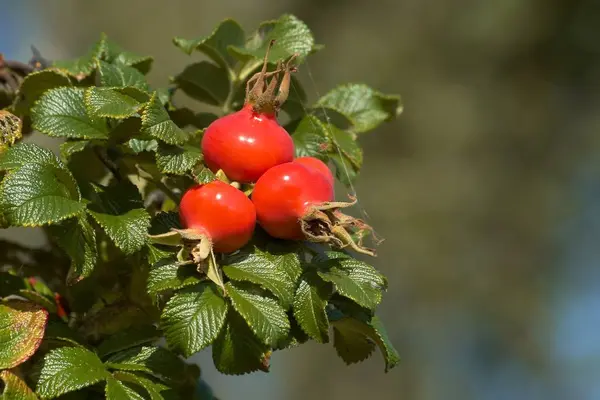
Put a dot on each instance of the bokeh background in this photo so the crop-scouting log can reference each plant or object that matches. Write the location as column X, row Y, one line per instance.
column 486, row 189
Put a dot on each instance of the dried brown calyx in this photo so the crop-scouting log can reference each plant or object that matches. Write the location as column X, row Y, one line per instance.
column 325, row 223
column 13, row 72
column 195, row 248
column 11, row 128
column 266, row 96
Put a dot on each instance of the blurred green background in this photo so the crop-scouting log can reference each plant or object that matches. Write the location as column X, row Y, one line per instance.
column 486, row 189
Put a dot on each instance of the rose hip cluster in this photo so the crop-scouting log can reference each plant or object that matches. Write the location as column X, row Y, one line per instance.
column 291, row 198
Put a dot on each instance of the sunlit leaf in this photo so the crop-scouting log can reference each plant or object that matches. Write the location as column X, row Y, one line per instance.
column 67, row 369
column 215, row 45
column 363, row 106
column 193, row 318
column 61, row 112
column 14, row 388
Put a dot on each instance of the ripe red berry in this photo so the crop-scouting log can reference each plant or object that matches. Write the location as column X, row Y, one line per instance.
column 294, row 201
column 220, row 213
column 249, row 142
column 283, row 196
column 246, row 144
column 317, row 164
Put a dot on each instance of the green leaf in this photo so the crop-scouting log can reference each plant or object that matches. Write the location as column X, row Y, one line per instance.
column 83, row 66
column 163, row 222
column 22, row 326
column 155, row 254
column 40, row 287
column 43, row 301
column 128, row 230
column 363, row 106
column 263, row 315
column 203, row 175
column 117, row 390
column 39, row 194
column 156, row 361
column 348, row 308
column 57, row 330
column 311, row 137
column 177, row 160
column 35, row 84
column 193, row 318
column 291, row 34
column 295, row 337
column 343, row 172
column 83, row 394
column 204, row 82
column 169, row 274
column 78, row 239
column 165, row 95
column 14, row 388
column 27, row 153
column 347, row 154
column 355, row 280
column 237, row 351
column 348, row 146
column 121, row 76
column 215, row 45
column 127, row 339
column 153, row 388
column 277, row 271
column 119, row 211
column 114, row 102
column 61, row 112
column 295, row 105
column 326, row 255
column 127, row 129
column 140, row 145
column 352, row 348
column 392, row 358
column 157, row 123
column 67, row 369
column 309, row 308
column 70, row 147
column 116, row 55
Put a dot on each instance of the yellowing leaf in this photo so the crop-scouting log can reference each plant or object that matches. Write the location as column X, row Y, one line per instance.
column 15, row 388
column 22, row 326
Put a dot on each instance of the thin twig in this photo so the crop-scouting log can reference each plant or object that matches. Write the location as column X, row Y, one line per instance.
column 108, row 163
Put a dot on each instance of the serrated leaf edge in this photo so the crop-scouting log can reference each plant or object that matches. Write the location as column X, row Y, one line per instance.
column 88, row 106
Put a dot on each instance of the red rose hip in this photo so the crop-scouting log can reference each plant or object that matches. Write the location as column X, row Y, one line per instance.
column 284, row 194
column 249, row 142
column 295, row 202
column 246, row 144
column 317, row 164
column 219, row 213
